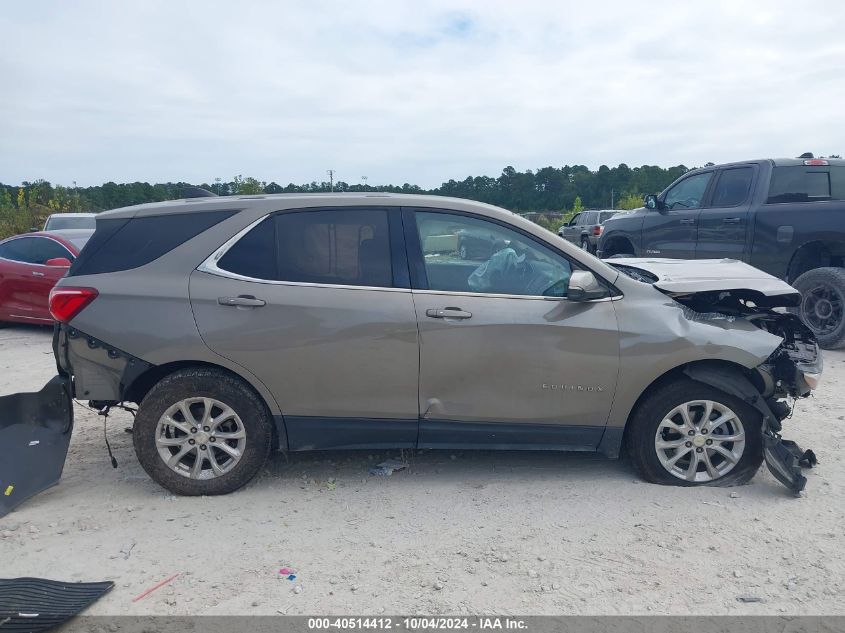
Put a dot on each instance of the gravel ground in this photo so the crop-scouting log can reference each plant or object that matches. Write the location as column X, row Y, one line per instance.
column 458, row 532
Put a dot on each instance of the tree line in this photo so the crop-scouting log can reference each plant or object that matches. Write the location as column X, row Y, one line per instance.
column 546, row 190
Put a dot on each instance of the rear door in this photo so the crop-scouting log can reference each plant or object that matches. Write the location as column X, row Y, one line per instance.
column 317, row 304
column 505, row 358
column 671, row 231
column 723, row 223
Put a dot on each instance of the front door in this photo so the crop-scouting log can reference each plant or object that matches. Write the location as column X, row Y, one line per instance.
column 308, row 302
column 505, row 358
column 670, row 231
column 723, row 223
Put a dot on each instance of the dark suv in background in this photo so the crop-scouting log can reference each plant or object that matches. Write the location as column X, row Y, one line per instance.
column 585, row 228
column 784, row 216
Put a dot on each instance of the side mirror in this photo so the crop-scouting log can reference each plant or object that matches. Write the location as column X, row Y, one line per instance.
column 651, row 201
column 583, row 286
column 58, row 262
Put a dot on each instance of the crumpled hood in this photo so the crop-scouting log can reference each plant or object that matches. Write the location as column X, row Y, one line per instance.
column 678, row 277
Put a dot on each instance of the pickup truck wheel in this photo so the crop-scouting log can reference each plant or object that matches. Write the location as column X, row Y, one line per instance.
column 823, row 304
column 202, row 432
column 686, row 433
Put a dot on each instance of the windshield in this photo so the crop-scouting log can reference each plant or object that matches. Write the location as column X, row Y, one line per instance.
column 69, row 222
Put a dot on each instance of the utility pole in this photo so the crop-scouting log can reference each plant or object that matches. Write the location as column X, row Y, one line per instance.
column 330, row 172
column 611, row 199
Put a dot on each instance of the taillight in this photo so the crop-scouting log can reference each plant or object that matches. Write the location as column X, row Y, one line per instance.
column 597, row 230
column 66, row 302
column 816, row 162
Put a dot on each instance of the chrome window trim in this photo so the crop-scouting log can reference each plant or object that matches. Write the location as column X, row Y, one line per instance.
column 209, row 265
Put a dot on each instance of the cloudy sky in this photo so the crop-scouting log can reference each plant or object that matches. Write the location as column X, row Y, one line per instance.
column 414, row 92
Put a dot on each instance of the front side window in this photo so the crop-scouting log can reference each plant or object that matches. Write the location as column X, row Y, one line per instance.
column 343, row 246
column 467, row 254
column 689, row 193
column 16, row 250
column 733, row 187
column 46, row 250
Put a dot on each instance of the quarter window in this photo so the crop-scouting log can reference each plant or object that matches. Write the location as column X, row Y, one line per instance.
column 733, row 187
column 689, row 193
column 466, row 254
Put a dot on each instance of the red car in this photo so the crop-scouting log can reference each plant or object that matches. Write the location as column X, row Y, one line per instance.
column 30, row 265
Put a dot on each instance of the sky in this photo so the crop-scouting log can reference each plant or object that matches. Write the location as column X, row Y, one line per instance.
column 417, row 92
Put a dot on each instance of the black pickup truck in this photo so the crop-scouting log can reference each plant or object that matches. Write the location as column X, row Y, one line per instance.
column 784, row 216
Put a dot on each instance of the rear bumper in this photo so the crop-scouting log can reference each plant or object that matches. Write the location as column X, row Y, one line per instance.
column 35, row 430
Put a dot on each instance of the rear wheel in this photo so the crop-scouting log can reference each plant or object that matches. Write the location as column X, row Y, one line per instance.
column 686, row 433
column 462, row 251
column 585, row 245
column 823, row 304
column 202, row 432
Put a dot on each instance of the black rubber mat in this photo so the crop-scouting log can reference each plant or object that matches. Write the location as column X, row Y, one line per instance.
column 36, row 604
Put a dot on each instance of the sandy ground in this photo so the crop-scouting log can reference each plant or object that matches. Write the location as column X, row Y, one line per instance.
column 459, row 532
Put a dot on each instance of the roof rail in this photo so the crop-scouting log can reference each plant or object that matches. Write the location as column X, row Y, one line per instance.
column 196, row 192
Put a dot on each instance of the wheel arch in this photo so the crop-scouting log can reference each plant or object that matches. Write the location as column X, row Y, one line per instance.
column 143, row 382
column 617, row 244
column 817, row 253
column 706, row 371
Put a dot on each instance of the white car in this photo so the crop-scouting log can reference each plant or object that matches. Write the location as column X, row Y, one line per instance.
column 61, row 221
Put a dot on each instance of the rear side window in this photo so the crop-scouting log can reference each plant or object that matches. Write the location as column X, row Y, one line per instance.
column 807, row 184
column 344, row 247
column 733, row 187
column 126, row 243
column 606, row 216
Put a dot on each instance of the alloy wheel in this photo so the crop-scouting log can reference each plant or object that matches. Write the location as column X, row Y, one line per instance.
column 200, row 438
column 700, row 441
column 822, row 309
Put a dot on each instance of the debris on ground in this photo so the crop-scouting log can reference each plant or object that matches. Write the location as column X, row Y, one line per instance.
column 159, row 585
column 287, row 572
column 388, row 467
column 749, row 598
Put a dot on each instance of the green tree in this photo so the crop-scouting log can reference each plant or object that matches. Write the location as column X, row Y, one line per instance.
column 577, row 206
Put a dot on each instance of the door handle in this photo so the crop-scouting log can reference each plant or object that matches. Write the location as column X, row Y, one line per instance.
column 731, row 220
column 242, row 301
column 687, row 221
column 35, row 273
column 448, row 313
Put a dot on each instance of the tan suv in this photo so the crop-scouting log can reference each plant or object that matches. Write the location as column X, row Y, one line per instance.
column 240, row 325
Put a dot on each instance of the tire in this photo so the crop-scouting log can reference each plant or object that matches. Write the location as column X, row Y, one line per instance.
column 462, row 251
column 650, row 418
column 823, row 304
column 585, row 245
column 248, row 431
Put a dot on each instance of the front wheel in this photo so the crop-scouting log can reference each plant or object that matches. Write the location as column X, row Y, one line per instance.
column 823, row 304
column 686, row 433
column 202, row 432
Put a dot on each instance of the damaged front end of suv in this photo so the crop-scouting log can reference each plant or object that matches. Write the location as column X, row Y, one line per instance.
column 727, row 290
